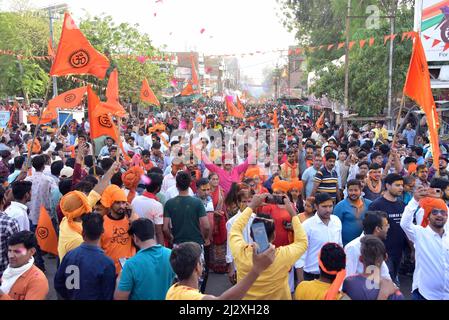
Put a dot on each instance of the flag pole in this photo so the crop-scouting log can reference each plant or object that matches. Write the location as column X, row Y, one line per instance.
column 398, row 120
column 44, row 105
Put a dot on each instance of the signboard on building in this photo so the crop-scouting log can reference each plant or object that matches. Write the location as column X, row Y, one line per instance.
column 432, row 19
column 4, row 118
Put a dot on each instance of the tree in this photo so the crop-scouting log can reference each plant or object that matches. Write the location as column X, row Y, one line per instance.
column 26, row 34
column 122, row 44
column 368, row 67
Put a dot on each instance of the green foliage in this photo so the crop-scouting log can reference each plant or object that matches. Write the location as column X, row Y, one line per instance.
column 28, row 35
column 368, row 84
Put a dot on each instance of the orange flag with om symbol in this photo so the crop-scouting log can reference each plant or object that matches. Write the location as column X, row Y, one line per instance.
column 75, row 54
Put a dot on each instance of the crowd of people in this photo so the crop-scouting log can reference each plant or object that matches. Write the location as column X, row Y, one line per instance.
column 345, row 212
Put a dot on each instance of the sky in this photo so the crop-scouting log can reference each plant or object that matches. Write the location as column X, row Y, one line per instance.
column 230, row 26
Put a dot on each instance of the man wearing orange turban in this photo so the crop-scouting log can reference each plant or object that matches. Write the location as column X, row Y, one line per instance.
column 430, row 204
column 73, row 206
column 255, row 174
column 131, row 180
column 295, row 193
column 431, row 244
column 115, row 240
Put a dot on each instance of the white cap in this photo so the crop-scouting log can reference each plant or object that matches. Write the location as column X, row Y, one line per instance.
column 66, row 172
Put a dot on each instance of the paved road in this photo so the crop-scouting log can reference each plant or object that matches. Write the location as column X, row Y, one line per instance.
column 216, row 285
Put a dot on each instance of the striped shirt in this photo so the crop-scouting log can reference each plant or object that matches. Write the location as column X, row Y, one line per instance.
column 328, row 182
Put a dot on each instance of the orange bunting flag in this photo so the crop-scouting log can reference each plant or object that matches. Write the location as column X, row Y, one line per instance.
column 371, row 42
column 320, row 122
column 188, row 90
column 75, row 54
column 351, row 44
column 417, row 87
column 362, row 43
column 69, row 99
column 240, row 106
column 101, row 124
column 341, row 45
column 146, row 94
column 330, row 47
column 436, row 42
column 46, row 234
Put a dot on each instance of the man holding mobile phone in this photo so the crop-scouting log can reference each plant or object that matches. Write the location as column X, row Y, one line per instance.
column 273, row 282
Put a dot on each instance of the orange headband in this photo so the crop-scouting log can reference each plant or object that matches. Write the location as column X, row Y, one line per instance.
column 332, row 293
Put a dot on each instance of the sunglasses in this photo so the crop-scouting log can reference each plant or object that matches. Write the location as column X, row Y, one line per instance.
column 436, row 212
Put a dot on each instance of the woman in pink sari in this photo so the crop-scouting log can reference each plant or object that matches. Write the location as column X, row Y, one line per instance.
column 217, row 221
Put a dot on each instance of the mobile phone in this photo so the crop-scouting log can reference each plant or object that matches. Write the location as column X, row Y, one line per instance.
column 122, row 261
column 272, row 199
column 260, row 236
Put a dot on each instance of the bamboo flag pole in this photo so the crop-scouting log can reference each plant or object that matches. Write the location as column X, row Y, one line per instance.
column 398, row 120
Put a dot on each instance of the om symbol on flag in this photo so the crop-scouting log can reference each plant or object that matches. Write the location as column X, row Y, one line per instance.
column 70, row 98
column 104, row 121
column 42, row 232
column 79, row 59
column 146, row 93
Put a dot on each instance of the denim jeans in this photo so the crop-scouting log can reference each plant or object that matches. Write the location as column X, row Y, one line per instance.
column 393, row 264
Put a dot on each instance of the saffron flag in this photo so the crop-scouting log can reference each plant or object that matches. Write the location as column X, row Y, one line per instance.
column 46, row 234
column 69, row 99
column 112, row 104
column 320, row 122
column 75, row 54
column 101, row 124
column 188, row 90
column 240, row 106
column 146, row 94
column 417, row 87
column 232, row 109
column 48, row 115
column 275, row 119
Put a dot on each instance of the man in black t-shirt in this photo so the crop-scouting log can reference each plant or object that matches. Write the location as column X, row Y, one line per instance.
column 390, row 203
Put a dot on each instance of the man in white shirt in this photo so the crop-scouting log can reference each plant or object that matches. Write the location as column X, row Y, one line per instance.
column 170, row 179
column 431, row 241
column 148, row 206
column 18, row 210
column 322, row 228
column 173, row 192
column 40, row 196
column 374, row 223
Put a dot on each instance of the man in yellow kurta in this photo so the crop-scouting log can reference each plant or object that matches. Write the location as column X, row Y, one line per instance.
column 272, row 284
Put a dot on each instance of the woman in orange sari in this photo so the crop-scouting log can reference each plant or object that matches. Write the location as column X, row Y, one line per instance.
column 217, row 221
